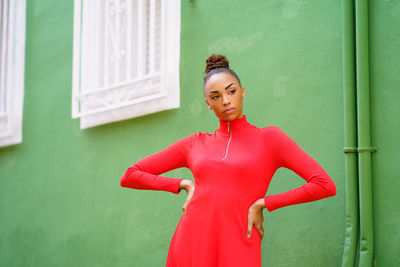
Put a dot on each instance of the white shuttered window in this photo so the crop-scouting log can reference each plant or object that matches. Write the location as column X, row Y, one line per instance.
column 12, row 63
column 126, row 59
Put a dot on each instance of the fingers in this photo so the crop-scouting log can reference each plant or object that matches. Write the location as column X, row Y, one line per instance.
column 256, row 218
column 185, row 205
column 190, row 193
column 249, row 228
column 249, row 225
column 259, row 226
column 184, row 209
column 260, row 231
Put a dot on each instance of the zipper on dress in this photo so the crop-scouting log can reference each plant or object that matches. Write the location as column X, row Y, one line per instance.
column 230, row 137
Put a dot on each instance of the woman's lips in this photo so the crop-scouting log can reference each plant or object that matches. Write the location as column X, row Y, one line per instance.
column 229, row 111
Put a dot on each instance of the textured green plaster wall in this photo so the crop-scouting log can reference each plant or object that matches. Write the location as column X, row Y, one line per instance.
column 385, row 98
column 60, row 199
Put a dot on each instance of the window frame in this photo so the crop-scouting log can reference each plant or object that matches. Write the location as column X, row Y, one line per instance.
column 167, row 97
column 12, row 71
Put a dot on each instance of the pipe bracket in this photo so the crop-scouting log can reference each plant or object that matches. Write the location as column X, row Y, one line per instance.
column 349, row 149
column 367, row 149
column 360, row 149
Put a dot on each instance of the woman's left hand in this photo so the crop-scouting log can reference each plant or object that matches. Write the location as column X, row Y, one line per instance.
column 255, row 216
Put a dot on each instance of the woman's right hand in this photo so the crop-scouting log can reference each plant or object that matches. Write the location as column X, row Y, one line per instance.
column 187, row 185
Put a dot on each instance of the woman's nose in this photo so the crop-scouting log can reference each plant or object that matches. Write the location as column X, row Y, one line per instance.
column 225, row 100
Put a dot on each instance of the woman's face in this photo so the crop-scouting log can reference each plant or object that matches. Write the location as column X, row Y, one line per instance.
column 225, row 96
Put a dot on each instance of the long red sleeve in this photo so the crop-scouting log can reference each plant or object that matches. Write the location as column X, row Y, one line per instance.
column 144, row 174
column 289, row 155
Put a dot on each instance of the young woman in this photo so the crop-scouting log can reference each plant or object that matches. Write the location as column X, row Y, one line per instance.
column 222, row 218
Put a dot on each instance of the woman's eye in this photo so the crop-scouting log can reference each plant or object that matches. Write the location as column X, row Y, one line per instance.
column 232, row 91
column 214, row 97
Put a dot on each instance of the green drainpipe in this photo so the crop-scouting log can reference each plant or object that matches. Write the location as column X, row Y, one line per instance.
column 364, row 135
column 350, row 135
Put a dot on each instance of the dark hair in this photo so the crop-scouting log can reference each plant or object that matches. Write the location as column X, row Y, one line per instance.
column 217, row 64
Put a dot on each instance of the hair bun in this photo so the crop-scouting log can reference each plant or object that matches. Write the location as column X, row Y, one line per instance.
column 216, row 61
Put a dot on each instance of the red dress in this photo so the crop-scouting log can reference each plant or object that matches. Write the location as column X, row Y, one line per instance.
column 232, row 168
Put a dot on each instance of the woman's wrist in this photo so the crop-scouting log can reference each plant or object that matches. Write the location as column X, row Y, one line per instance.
column 185, row 184
column 259, row 204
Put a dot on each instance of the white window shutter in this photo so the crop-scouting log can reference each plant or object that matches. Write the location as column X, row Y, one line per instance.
column 12, row 63
column 126, row 59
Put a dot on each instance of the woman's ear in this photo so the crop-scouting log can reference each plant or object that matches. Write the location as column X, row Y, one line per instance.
column 209, row 106
column 243, row 93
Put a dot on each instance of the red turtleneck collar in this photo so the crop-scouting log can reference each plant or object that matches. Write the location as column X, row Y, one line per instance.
column 234, row 124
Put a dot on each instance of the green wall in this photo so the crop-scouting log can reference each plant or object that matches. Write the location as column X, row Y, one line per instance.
column 60, row 199
column 385, row 109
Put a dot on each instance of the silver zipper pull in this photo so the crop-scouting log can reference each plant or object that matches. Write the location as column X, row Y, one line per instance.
column 230, row 137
